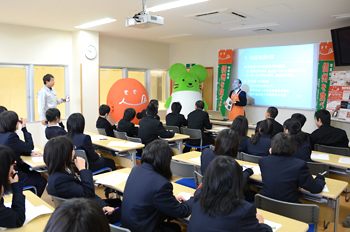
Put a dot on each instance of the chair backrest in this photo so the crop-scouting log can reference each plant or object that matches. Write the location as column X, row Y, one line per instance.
column 81, row 153
column 197, row 178
column 29, row 187
column 175, row 129
column 134, row 139
column 102, row 131
column 58, row 200
column 308, row 213
column 120, row 135
column 250, row 158
column 316, row 168
column 333, row 150
column 193, row 133
column 181, row 169
column 239, row 155
column 118, row 228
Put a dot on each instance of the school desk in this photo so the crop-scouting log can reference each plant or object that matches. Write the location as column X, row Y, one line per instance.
column 35, row 163
column 178, row 140
column 217, row 129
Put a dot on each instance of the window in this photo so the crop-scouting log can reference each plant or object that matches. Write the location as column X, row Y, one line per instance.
column 108, row 76
column 138, row 75
column 158, row 86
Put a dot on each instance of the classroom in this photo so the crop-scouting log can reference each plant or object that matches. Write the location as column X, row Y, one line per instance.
column 35, row 35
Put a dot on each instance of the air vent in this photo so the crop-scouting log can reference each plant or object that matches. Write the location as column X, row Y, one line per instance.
column 220, row 16
column 265, row 30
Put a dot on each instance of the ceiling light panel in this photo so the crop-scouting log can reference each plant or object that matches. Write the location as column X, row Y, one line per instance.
column 96, row 23
column 175, row 4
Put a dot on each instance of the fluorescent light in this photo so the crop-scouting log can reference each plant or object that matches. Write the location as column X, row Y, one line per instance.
column 96, row 23
column 341, row 16
column 175, row 4
column 173, row 36
column 251, row 26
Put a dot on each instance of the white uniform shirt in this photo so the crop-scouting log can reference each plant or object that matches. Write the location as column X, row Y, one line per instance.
column 47, row 98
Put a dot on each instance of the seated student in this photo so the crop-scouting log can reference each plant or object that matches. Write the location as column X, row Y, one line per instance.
column 199, row 119
column 271, row 114
column 300, row 117
column 53, row 116
column 326, row 134
column 2, row 109
column 125, row 124
column 9, row 123
column 292, row 126
column 175, row 118
column 260, row 143
column 151, row 128
column 240, row 127
column 102, row 121
column 78, row 214
column 282, row 174
column 10, row 217
column 219, row 204
column 148, row 197
column 63, row 182
column 144, row 112
column 76, row 125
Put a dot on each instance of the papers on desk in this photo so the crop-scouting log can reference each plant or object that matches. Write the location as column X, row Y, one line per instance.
column 319, row 156
column 344, row 160
column 187, row 196
column 31, row 211
column 256, row 169
column 36, row 149
column 274, row 226
column 123, row 144
column 37, row 159
column 197, row 160
column 325, row 189
column 98, row 137
column 113, row 179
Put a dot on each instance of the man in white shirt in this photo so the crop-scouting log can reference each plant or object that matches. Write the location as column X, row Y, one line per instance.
column 47, row 98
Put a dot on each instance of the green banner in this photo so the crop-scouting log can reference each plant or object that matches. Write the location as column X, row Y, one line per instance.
column 224, row 74
column 325, row 68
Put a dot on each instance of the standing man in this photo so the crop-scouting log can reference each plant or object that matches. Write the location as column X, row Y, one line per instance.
column 238, row 100
column 47, row 98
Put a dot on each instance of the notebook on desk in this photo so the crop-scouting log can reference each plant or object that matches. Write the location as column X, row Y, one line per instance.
column 215, row 115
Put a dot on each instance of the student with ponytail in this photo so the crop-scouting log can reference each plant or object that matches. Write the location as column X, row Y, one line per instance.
column 260, row 143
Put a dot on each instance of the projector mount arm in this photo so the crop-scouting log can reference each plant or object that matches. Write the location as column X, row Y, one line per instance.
column 144, row 11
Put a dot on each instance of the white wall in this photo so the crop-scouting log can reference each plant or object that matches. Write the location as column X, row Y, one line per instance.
column 206, row 53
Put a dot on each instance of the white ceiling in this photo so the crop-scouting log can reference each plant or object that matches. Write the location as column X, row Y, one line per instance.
column 292, row 15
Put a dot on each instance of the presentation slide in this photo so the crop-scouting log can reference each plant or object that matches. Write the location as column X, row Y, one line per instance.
column 283, row 76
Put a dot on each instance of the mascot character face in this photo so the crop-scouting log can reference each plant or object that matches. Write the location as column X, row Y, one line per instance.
column 126, row 93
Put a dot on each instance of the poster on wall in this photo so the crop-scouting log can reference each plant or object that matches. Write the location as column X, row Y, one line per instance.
column 338, row 102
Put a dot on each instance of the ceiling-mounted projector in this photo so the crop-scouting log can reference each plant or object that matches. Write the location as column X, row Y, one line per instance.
column 144, row 20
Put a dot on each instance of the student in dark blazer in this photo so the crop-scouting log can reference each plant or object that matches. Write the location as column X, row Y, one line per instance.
column 76, row 125
column 63, row 182
column 199, row 119
column 282, row 174
column 293, row 127
column 175, row 118
column 125, row 124
column 102, row 121
column 260, row 143
column 9, row 123
column 302, row 119
column 271, row 114
column 327, row 134
column 151, row 128
column 240, row 127
column 55, row 126
column 14, row 216
column 219, row 205
column 148, row 195
column 143, row 113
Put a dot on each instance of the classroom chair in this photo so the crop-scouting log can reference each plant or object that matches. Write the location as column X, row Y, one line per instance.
column 31, row 188
column 333, row 150
column 57, row 200
column 239, row 155
column 194, row 134
column 250, row 158
column 101, row 131
column 120, row 135
column 197, row 178
column 118, row 228
column 82, row 154
column 175, row 129
column 308, row 213
column 185, row 171
column 316, row 168
column 135, row 140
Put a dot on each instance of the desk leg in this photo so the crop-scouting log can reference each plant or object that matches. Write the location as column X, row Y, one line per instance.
column 336, row 214
column 179, row 145
column 133, row 157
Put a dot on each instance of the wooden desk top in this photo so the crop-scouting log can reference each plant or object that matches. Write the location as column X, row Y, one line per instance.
column 38, row 223
column 176, row 137
column 104, row 143
column 333, row 159
column 28, row 159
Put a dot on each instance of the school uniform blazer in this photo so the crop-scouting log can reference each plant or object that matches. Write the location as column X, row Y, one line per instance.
column 283, row 175
column 243, row 144
column 241, row 219
column 261, row 148
column 103, row 123
column 151, row 128
column 54, row 131
column 174, row 119
column 65, row 185
column 148, row 200
column 329, row 136
column 12, row 140
column 15, row 216
column 277, row 127
column 304, row 151
column 143, row 114
column 128, row 127
column 83, row 141
column 198, row 119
